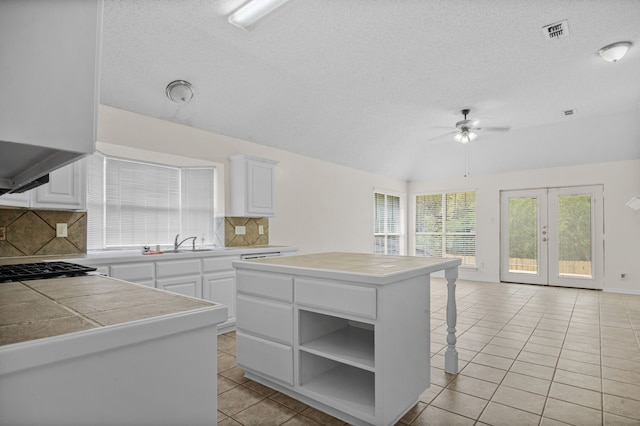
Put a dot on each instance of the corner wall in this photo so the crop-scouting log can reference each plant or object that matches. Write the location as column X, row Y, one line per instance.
column 621, row 181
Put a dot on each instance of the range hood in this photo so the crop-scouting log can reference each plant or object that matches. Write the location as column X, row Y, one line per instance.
column 23, row 167
column 49, row 86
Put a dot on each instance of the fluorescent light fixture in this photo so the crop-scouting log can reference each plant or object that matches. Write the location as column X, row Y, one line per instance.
column 614, row 52
column 465, row 136
column 253, row 11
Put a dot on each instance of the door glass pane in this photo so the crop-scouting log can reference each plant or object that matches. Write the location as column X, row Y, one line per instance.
column 523, row 233
column 574, row 235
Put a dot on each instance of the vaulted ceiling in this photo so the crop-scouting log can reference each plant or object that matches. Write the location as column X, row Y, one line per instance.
column 378, row 85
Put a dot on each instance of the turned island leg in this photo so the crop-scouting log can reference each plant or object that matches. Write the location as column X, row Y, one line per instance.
column 451, row 355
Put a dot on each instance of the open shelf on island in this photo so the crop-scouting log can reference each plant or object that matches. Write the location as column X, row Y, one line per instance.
column 346, row 341
column 339, row 385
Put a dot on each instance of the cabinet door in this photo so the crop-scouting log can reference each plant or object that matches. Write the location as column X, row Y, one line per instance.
column 187, row 286
column 221, row 288
column 66, row 188
column 260, row 188
column 252, row 186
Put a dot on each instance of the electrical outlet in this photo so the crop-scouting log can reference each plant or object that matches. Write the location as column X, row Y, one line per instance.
column 3, row 233
column 261, row 230
column 241, row 230
column 61, row 230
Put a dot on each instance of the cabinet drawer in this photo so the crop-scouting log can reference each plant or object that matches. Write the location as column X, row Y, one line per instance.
column 272, row 286
column 215, row 264
column 133, row 271
column 178, row 268
column 268, row 358
column 271, row 320
column 343, row 298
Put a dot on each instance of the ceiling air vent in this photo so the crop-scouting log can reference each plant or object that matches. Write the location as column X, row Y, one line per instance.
column 556, row 31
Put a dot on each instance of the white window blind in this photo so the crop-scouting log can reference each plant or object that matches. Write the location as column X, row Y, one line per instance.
column 132, row 203
column 197, row 203
column 387, row 224
column 446, row 226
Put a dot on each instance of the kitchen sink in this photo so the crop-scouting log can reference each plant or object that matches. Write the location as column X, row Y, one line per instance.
column 195, row 250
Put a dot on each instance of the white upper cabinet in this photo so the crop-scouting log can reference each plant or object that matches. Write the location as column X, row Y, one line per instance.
column 66, row 190
column 252, row 186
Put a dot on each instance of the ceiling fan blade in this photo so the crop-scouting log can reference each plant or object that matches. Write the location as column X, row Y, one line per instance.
column 440, row 136
column 494, row 129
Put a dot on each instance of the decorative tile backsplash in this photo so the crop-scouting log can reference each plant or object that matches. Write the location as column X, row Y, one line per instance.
column 252, row 235
column 28, row 232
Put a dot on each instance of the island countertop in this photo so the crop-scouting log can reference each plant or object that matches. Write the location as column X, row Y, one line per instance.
column 358, row 267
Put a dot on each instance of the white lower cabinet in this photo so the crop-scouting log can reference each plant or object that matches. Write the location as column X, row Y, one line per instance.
column 180, row 276
column 187, row 286
column 275, row 360
column 359, row 352
column 219, row 285
column 221, row 288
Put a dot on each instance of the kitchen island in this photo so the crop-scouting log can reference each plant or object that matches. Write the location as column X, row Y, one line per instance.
column 346, row 333
column 97, row 350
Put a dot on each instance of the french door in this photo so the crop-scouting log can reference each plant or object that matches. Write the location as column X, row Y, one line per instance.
column 552, row 236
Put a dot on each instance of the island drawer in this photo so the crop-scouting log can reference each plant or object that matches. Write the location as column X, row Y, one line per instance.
column 272, row 286
column 337, row 297
column 270, row 320
column 269, row 358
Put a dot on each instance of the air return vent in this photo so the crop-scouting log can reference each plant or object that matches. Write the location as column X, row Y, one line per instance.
column 556, row 31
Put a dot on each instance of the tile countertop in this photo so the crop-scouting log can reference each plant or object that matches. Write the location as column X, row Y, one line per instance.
column 357, row 267
column 107, row 256
column 35, row 309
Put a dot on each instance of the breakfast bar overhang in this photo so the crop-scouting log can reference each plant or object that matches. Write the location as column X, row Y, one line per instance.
column 346, row 333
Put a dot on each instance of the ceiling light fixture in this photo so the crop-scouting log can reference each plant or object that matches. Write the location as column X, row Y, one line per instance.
column 465, row 136
column 614, row 52
column 179, row 91
column 253, row 11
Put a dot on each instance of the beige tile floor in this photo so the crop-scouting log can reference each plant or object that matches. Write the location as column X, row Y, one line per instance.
column 529, row 355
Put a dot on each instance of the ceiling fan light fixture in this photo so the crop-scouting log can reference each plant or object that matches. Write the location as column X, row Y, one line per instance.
column 615, row 51
column 465, row 136
column 179, row 91
column 252, row 11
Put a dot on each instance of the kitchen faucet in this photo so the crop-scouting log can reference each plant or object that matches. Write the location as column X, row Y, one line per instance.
column 177, row 244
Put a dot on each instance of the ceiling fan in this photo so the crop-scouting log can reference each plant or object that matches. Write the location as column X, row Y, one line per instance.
column 467, row 129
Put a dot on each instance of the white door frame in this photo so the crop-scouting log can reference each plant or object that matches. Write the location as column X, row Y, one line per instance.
column 548, row 236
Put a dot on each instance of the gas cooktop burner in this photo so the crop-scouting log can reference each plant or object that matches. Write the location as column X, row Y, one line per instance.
column 41, row 270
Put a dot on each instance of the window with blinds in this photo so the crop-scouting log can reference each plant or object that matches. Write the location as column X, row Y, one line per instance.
column 446, row 226
column 387, row 224
column 132, row 203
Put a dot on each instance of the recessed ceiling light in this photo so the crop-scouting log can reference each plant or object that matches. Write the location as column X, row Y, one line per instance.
column 615, row 51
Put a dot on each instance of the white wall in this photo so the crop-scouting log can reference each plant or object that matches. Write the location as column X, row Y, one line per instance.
column 320, row 206
column 621, row 181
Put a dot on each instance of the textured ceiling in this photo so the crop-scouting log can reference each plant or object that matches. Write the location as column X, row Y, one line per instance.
column 376, row 84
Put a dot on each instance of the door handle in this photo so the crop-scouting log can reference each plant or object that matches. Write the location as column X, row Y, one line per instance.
column 544, row 239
